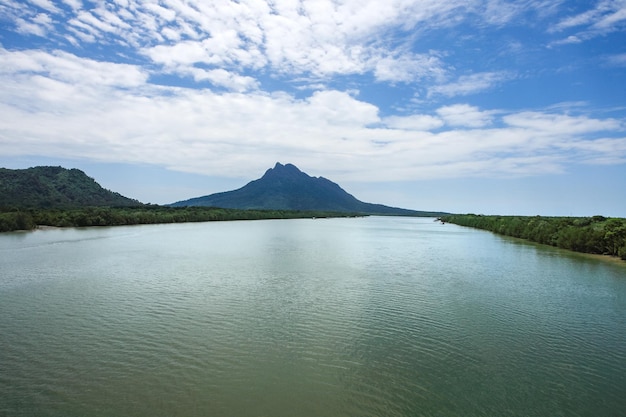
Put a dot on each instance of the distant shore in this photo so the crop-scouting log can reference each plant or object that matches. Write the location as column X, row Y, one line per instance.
column 42, row 219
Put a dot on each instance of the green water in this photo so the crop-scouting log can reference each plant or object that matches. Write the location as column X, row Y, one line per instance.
column 330, row 317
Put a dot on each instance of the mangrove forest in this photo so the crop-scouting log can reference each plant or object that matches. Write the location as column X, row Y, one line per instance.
column 595, row 235
column 29, row 219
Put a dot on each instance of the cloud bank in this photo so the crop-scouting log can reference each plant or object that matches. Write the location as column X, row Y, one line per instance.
column 367, row 90
column 110, row 112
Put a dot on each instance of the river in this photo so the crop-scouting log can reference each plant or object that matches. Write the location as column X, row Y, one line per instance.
column 375, row 316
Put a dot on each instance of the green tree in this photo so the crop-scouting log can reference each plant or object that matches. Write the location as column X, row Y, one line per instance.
column 614, row 236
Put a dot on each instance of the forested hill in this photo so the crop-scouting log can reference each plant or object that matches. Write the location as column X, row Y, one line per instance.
column 55, row 187
column 285, row 187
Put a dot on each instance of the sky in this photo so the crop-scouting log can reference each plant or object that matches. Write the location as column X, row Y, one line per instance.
column 465, row 106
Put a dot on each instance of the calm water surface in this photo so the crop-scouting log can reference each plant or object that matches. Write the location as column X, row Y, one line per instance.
column 332, row 317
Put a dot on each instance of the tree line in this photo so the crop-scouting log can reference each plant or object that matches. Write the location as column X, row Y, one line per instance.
column 29, row 219
column 596, row 235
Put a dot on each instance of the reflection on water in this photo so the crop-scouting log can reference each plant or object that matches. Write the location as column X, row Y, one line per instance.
column 333, row 317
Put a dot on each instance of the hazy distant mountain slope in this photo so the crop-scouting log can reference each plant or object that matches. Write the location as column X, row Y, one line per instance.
column 55, row 187
column 285, row 187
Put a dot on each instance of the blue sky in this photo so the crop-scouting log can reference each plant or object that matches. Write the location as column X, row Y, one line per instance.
column 495, row 107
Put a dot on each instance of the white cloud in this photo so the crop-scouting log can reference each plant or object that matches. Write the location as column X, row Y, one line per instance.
column 579, row 20
column 611, row 21
column 60, row 105
column 46, row 5
column 38, row 26
column 470, row 84
column 420, row 122
column 601, row 151
column 225, row 79
column 321, row 38
column 69, row 68
column 183, row 53
column 93, row 24
column 499, row 12
column 465, row 115
column 340, row 109
column 570, row 40
column 408, row 68
column 165, row 14
column 224, row 50
column 605, row 146
column 617, row 60
column 607, row 16
column 561, row 125
column 74, row 4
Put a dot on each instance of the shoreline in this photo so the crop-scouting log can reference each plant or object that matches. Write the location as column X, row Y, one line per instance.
column 597, row 256
column 598, row 236
column 46, row 227
column 605, row 258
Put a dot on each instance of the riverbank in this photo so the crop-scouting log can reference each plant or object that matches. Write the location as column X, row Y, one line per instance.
column 595, row 235
column 31, row 219
column 615, row 260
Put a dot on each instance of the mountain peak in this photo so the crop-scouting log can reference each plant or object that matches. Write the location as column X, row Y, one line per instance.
column 284, row 171
column 285, row 187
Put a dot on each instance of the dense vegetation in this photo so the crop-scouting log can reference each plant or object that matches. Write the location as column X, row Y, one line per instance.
column 597, row 234
column 28, row 219
column 52, row 187
column 56, row 196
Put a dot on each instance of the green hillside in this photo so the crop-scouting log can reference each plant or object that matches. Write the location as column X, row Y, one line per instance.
column 55, row 187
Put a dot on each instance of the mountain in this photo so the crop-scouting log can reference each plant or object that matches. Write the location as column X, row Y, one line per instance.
column 285, row 187
column 55, row 187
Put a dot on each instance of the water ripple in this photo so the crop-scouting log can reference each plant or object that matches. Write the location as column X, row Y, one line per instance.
column 360, row 317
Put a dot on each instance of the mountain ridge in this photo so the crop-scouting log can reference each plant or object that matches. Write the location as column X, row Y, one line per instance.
column 285, row 187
